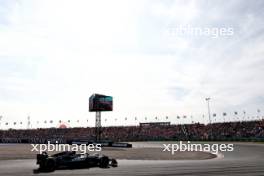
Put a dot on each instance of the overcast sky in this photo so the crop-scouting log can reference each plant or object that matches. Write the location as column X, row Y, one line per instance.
column 55, row 54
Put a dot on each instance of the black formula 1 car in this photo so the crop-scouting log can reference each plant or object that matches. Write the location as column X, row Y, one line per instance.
column 71, row 160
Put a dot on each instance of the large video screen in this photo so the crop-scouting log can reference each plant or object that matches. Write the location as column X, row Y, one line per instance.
column 99, row 102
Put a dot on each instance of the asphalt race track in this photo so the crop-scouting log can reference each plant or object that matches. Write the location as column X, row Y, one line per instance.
column 246, row 159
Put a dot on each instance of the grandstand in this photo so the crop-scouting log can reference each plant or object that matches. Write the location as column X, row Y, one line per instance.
column 228, row 131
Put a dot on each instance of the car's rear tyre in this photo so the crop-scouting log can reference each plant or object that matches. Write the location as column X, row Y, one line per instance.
column 104, row 162
column 50, row 165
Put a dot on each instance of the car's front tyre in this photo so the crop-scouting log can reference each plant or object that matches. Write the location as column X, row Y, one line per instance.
column 114, row 163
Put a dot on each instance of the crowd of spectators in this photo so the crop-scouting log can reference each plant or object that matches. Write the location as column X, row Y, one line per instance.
column 250, row 130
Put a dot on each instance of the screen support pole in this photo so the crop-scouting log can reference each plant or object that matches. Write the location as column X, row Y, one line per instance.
column 98, row 126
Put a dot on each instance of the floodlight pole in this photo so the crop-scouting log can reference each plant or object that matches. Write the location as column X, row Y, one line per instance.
column 98, row 126
column 209, row 115
column 28, row 122
column 1, row 121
